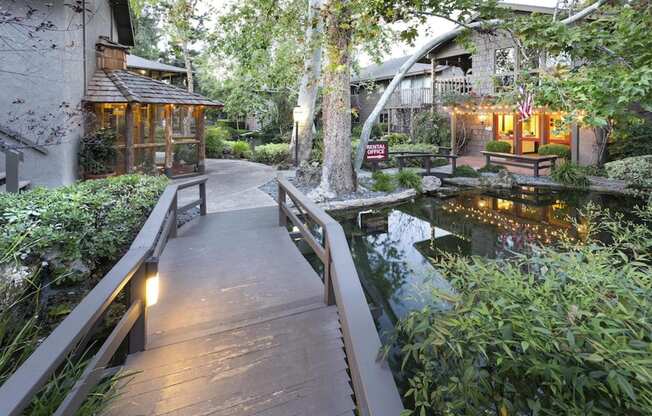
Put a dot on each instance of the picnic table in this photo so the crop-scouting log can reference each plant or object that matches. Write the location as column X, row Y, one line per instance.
column 536, row 162
column 426, row 158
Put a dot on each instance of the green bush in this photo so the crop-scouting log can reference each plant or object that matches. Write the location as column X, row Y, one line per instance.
column 241, row 149
column 378, row 130
column 633, row 138
column 636, row 170
column 409, row 179
column 383, row 182
column 431, row 128
column 491, row 168
column 414, row 147
column 215, row 138
column 560, row 150
column 356, row 131
column 97, row 152
column 465, row 171
column 498, row 146
column 552, row 332
column 272, row 154
column 571, row 175
column 395, row 139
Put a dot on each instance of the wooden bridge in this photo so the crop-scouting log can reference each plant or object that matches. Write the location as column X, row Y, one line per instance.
column 242, row 325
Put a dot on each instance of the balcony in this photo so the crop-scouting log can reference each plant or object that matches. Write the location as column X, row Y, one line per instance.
column 420, row 97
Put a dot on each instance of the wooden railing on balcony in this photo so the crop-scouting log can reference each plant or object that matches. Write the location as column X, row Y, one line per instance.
column 419, row 97
column 452, row 86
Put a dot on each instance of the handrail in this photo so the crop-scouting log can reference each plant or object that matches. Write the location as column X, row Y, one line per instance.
column 133, row 268
column 373, row 384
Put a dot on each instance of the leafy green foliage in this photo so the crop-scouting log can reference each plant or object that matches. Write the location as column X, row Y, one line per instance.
column 431, row 128
column 556, row 331
column 383, row 182
column 409, row 179
column 560, row 150
column 465, row 171
column 633, row 138
column 498, row 146
column 85, row 225
column 240, row 149
column 215, row 138
column 636, row 170
column 490, row 168
column 396, row 139
column 272, row 153
column 97, row 152
column 570, row 174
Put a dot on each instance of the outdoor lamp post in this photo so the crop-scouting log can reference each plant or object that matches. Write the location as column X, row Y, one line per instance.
column 299, row 116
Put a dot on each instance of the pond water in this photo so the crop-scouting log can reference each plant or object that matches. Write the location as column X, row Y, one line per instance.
column 394, row 248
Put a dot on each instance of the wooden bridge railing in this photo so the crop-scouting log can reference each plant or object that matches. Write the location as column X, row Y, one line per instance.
column 373, row 384
column 133, row 269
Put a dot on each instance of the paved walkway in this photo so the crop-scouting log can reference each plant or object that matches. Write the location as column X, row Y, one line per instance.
column 233, row 184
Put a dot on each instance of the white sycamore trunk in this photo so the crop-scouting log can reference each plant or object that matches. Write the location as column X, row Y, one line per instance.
column 309, row 82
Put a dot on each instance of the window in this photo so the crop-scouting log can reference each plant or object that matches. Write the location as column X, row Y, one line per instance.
column 530, row 127
column 559, row 131
column 384, row 117
column 504, row 68
column 505, row 125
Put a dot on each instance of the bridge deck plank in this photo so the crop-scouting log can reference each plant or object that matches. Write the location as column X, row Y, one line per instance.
column 240, row 328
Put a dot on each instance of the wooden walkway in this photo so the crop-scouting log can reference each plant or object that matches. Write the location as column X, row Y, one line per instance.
column 240, row 327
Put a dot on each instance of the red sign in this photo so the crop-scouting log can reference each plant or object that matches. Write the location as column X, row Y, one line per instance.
column 376, row 151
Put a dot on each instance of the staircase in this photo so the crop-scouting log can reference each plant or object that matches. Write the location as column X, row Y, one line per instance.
column 9, row 180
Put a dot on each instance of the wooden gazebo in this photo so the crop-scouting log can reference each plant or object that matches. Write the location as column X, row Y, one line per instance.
column 147, row 115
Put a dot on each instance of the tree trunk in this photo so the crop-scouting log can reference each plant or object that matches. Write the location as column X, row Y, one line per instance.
column 191, row 85
column 309, row 82
column 337, row 171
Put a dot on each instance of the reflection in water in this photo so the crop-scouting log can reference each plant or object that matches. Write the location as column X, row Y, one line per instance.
column 394, row 249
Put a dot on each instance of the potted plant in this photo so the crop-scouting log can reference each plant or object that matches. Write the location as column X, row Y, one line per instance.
column 97, row 154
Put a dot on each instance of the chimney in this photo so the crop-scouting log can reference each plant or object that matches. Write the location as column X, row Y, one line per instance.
column 110, row 55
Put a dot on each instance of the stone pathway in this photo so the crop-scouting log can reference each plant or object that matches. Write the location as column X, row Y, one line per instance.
column 233, row 184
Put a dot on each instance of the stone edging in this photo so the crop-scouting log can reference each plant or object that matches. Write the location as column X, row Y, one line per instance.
column 368, row 202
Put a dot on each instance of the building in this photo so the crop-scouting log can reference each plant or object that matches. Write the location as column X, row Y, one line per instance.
column 52, row 86
column 415, row 94
column 468, row 89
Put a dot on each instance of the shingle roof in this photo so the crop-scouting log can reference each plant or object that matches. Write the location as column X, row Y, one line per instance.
column 134, row 61
column 120, row 86
column 389, row 68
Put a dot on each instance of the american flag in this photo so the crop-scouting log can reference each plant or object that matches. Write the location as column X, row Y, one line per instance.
column 526, row 106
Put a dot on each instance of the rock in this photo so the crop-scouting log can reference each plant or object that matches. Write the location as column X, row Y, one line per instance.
column 308, row 174
column 430, row 183
column 502, row 179
column 319, row 195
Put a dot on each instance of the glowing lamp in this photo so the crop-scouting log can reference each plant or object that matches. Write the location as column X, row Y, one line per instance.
column 152, row 290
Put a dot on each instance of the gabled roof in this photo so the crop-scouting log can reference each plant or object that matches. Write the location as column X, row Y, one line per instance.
column 137, row 62
column 389, row 68
column 121, row 86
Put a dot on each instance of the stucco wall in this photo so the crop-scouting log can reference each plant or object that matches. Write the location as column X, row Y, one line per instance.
column 48, row 81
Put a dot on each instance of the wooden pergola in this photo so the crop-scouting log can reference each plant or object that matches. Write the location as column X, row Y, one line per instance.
column 148, row 115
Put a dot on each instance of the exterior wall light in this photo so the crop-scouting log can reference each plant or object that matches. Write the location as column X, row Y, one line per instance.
column 152, row 287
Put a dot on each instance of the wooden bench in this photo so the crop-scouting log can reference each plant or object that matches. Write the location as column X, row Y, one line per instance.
column 426, row 159
column 535, row 162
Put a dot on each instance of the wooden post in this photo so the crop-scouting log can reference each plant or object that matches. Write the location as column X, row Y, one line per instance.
column 453, row 132
column 282, row 218
column 200, row 136
column 169, row 148
column 138, row 292
column 518, row 133
column 129, row 138
column 575, row 143
column 151, row 131
column 202, row 197
column 329, row 293
column 433, row 81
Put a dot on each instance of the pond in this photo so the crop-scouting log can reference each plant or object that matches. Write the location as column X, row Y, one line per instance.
column 394, row 249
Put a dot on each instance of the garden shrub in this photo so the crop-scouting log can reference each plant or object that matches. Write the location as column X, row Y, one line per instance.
column 241, row 149
column 465, row 171
column 75, row 230
column 636, row 170
column 378, row 130
column 431, row 128
column 571, row 175
column 490, row 168
column 498, row 146
column 97, row 152
column 356, row 131
column 409, row 179
column 556, row 331
column 560, row 150
column 395, row 139
column 633, row 138
column 414, row 147
column 383, row 182
column 215, row 138
column 272, row 153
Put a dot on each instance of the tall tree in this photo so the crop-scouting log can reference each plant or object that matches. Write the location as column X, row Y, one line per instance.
column 147, row 32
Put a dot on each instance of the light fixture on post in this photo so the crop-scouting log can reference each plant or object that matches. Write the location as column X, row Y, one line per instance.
column 299, row 115
column 152, row 284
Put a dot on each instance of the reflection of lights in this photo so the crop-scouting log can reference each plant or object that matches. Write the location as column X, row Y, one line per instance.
column 504, row 205
column 505, row 222
column 558, row 205
column 482, row 203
